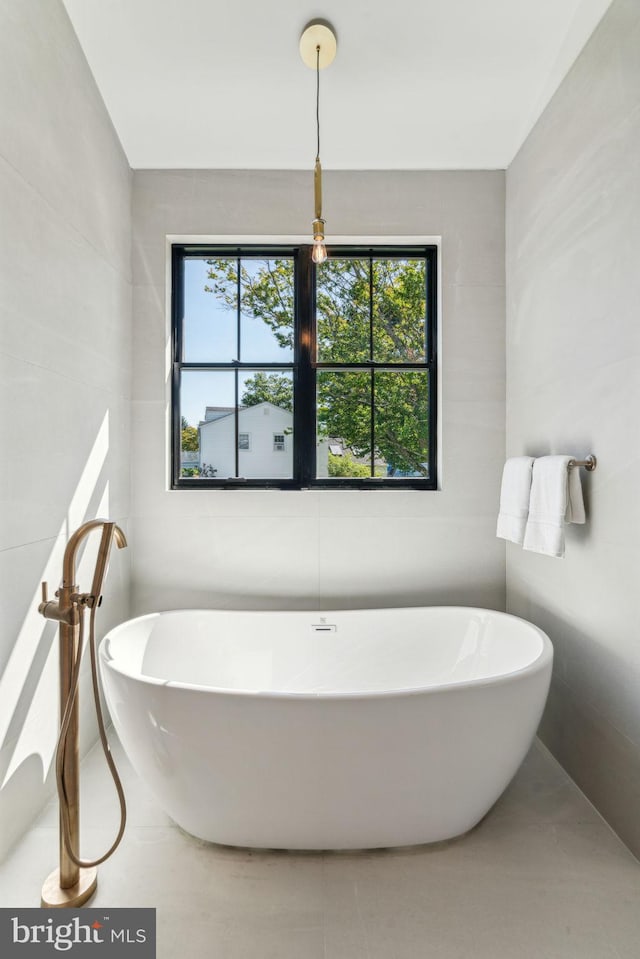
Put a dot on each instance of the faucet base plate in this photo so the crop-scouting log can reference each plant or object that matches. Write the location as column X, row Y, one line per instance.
column 54, row 897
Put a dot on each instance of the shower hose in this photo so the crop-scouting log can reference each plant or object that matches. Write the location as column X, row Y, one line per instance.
column 62, row 746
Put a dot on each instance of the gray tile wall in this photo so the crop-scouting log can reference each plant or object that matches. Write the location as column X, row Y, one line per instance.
column 65, row 368
column 573, row 385
column 309, row 549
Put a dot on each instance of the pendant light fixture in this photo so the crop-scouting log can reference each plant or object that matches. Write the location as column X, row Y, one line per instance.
column 318, row 48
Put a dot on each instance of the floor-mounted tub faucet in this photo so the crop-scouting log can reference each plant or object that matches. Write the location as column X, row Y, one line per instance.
column 75, row 881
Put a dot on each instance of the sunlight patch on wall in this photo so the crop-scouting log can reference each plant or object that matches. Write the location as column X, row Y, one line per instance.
column 36, row 720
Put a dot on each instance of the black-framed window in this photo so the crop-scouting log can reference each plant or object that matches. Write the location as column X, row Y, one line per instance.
column 292, row 375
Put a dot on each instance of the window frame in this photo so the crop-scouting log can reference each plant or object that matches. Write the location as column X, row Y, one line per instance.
column 304, row 365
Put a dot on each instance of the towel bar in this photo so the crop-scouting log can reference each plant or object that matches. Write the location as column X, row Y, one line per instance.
column 589, row 464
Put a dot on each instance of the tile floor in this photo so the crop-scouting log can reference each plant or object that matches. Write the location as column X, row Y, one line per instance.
column 542, row 877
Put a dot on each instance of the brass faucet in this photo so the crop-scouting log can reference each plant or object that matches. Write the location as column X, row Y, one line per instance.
column 71, row 885
column 69, row 600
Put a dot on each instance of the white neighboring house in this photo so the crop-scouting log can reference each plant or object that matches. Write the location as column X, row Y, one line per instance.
column 265, row 442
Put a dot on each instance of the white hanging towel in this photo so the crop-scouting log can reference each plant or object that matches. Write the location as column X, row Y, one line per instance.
column 514, row 498
column 556, row 499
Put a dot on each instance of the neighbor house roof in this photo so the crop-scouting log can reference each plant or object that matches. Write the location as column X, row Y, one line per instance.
column 214, row 413
column 217, row 412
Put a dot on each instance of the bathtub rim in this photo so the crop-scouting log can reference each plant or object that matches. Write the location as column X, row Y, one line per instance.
column 544, row 659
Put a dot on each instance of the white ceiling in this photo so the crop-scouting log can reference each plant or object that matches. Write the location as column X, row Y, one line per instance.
column 416, row 84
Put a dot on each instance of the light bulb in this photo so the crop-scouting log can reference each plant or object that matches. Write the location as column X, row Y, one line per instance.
column 319, row 252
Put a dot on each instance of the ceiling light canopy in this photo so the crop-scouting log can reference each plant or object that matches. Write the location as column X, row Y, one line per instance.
column 318, row 47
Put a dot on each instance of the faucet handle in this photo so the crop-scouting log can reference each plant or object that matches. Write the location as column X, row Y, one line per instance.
column 45, row 592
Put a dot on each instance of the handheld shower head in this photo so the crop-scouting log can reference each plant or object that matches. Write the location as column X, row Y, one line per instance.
column 109, row 532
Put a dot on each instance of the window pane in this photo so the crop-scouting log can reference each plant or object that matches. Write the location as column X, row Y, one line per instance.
column 342, row 304
column 266, row 386
column 401, row 422
column 207, row 408
column 267, row 305
column 399, row 311
column 210, row 311
column 265, row 412
column 343, row 423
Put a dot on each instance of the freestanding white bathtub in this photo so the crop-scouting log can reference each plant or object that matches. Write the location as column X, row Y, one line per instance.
column 335, row 730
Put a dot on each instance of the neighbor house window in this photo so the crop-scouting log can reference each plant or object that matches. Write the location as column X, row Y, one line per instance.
column 326, row 373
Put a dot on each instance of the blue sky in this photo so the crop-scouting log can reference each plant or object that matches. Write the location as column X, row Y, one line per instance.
column 210, row 336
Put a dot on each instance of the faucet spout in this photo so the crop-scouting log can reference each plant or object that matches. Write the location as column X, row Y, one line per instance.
column 120, row 538
column 71, row 551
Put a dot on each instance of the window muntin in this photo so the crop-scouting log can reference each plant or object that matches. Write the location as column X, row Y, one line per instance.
column 364, row 412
